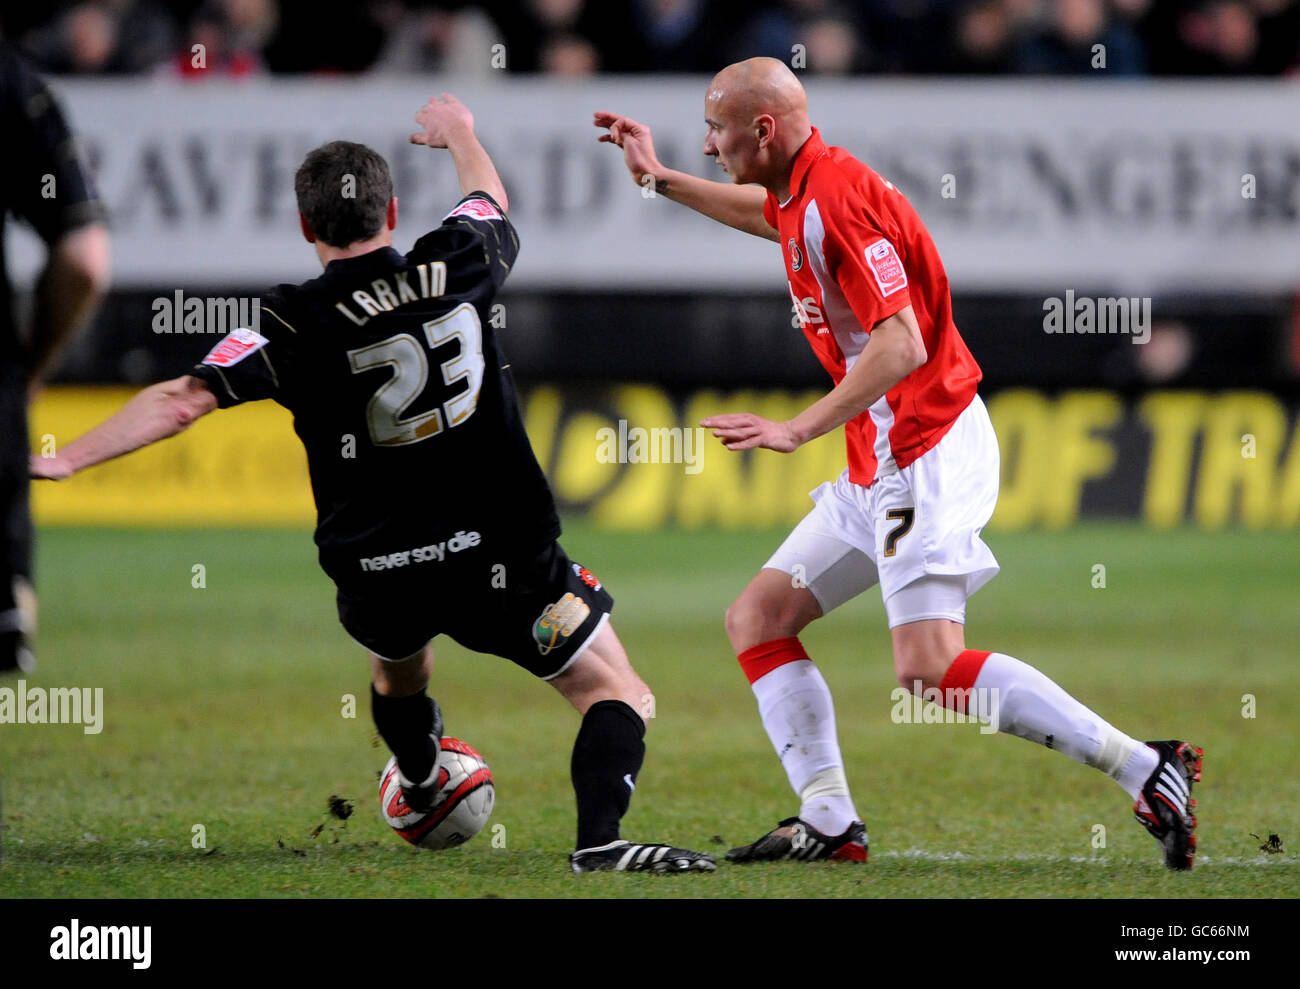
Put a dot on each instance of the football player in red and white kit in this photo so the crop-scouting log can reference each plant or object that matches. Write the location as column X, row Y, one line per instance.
column 872, row 299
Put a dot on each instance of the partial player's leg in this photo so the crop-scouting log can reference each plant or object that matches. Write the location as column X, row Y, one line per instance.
column 607, row 757
column 551, row 616
column 1024, row 702
column 17, row 599
column 17, row 623
column 603, row 674
column 394, row 626
column 931, row 654
column 409, row 721
column 931, row 561
column 814, row 571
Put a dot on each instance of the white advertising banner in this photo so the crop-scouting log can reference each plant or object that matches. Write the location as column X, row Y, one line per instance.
column 1026, row 185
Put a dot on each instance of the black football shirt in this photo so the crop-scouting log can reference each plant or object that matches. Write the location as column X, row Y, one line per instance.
column 44, row 182
column 404, row 403
column 43, row 178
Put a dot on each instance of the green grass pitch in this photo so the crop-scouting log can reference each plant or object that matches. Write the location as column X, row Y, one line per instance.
column 223, row 707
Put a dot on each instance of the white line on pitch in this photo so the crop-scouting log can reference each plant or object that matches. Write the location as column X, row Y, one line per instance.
column 923, row 855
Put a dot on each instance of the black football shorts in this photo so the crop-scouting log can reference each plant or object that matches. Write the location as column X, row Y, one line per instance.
column 539, row 611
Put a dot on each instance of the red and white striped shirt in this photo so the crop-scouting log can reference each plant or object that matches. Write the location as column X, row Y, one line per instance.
column 855, row 254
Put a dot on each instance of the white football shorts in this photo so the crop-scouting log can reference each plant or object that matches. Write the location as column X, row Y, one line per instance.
column 915, row 532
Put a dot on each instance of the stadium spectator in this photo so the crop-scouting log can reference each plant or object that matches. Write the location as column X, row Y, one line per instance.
column 981, row 40
column 1236, row 37
column 569, row 55
column 1131, row 11
column 772, row 32
column 146, row 34
column 834, row 47
column 1221, row 37
column 84, row 41
column 226, row 38
column 568, row 37
column 676, row 34
column 579, row 37
column 101, row 37
column 824, row 35
column 1068, row 44
column 902, row 33
column 433, row 39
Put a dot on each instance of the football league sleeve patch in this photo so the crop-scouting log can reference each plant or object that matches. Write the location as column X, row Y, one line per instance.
column 237, row 345
column 239, row 368
column 477, row 208
column 886, row 267
column 870, row 272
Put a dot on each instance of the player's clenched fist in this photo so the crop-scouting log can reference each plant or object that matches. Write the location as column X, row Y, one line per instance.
column 634, row 138
column 443, row 118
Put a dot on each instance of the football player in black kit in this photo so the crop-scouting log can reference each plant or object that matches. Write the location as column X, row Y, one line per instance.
column 433, row 515
column 44, row 182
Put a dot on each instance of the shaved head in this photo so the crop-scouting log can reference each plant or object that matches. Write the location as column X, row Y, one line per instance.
column 757, row 114
column 744, row 90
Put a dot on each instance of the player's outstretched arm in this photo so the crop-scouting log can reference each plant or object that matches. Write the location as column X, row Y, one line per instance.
column 739, row 206
column 159, row 411
column 448, row 124
column 895, row 351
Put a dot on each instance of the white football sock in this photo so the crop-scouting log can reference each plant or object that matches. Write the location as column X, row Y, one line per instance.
column 799, row 716
column 1138, row 768
column 1032, row 706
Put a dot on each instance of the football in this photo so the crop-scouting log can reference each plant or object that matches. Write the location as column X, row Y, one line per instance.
column 466, row 796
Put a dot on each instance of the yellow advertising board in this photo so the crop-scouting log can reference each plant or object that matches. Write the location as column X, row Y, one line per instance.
column 631, row 457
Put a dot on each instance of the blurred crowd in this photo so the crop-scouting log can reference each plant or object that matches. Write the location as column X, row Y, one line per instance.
column 200, row 38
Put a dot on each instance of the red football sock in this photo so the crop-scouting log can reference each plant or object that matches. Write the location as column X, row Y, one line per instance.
column 960, row 678
column 760, row 660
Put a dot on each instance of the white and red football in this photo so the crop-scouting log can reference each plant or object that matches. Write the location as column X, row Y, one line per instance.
column 465, row 798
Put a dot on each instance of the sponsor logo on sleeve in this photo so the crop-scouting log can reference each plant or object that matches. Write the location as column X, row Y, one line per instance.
column 476, row 209
column 235, row 347
column 886, row 267
column 586, row 576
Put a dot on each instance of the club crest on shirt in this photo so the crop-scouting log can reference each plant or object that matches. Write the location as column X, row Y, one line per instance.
column 796, row 256
column 559, row 621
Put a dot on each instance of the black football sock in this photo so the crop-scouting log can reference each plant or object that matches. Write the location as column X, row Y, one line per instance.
column 11, row 643
column 404, row 723
column 607, row 756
